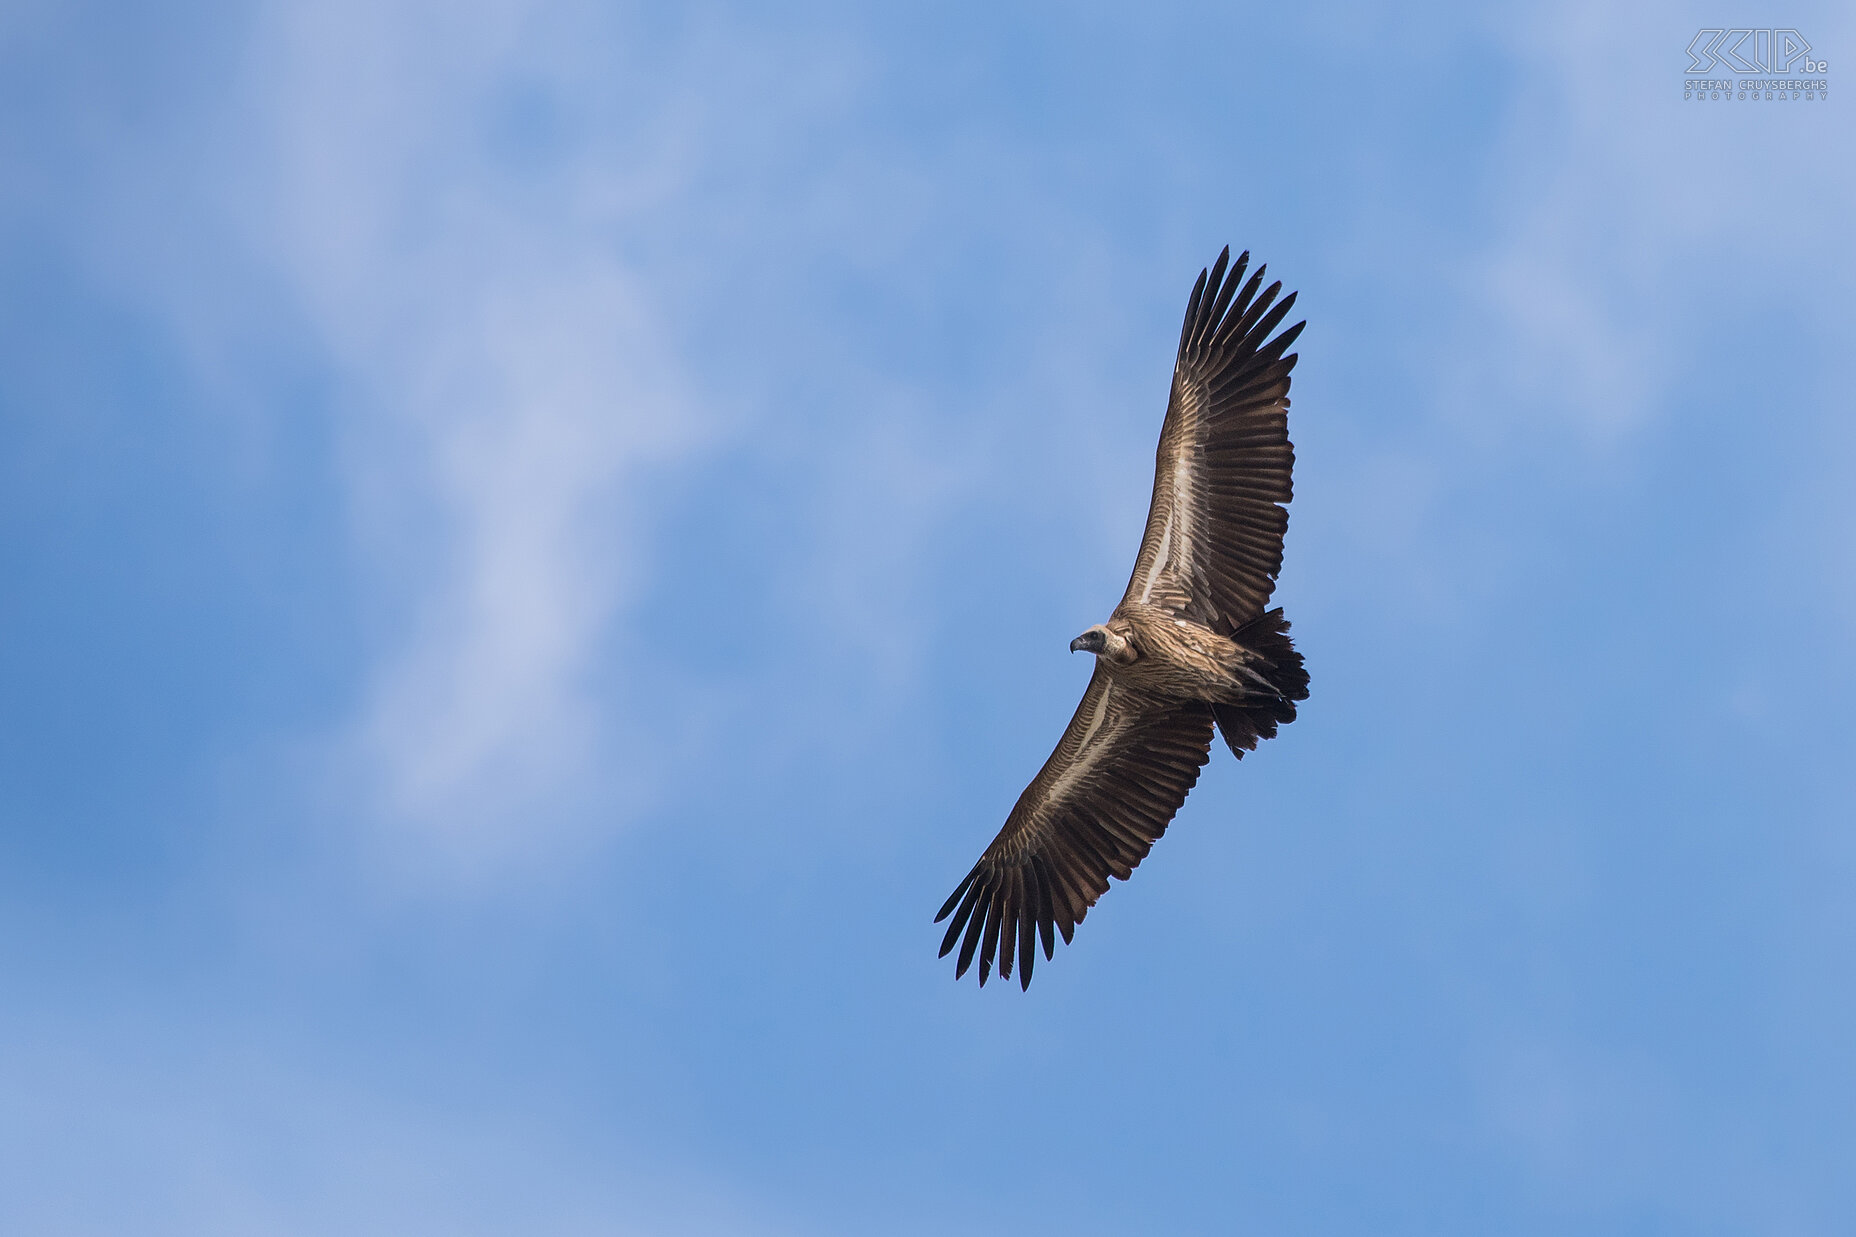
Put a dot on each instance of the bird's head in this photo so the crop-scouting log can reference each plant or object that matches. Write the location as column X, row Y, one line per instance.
column 1104, row 643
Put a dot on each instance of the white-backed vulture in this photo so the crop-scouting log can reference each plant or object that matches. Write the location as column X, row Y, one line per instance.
column 1189, row 647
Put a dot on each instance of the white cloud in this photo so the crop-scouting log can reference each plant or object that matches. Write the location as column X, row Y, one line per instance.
column 488, row 229
column 1637, row 214
column 501, row 369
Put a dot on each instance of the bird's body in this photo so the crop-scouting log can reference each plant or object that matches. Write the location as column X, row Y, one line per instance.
column 1190, row 646
column 1166, row 658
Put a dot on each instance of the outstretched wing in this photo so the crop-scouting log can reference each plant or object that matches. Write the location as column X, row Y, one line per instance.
column 1093, row 811
column 1213, row 544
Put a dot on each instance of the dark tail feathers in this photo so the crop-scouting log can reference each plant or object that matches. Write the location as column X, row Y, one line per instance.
column 1245, row 725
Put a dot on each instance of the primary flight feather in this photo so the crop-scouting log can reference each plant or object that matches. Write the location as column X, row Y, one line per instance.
column 1190, row 646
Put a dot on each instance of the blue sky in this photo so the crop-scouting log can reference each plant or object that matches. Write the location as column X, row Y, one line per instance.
column 538, row 542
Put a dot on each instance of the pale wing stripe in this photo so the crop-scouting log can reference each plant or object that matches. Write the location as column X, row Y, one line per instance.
column 1159, row 563
column 1178, row 510
column 1183, row 504
column 1084, row 760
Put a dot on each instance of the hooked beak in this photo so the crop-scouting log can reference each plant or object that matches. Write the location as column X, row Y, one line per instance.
column 1088, row 642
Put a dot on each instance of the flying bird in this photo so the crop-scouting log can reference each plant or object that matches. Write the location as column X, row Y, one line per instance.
column 1190, row 646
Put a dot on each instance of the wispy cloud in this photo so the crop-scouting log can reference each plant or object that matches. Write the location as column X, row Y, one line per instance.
column 454, row 238
column 1635, row 214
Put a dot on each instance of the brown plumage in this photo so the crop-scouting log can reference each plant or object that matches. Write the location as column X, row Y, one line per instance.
column 1190, row 646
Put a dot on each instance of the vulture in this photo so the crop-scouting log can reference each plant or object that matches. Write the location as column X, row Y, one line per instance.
column 1190, row 648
